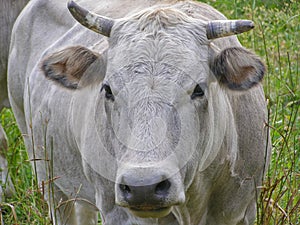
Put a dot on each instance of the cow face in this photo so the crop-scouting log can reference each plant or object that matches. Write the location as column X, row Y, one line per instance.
column 163, row 103
column 154, row 97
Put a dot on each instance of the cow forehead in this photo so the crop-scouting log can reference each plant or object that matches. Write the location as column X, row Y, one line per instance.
column 157, row 76
column 165, row 58
column 170, row 49
column 179, row 44
column 160, row 35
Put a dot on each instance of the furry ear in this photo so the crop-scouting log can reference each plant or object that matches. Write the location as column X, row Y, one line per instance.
column 74, row 67
column 238, row 68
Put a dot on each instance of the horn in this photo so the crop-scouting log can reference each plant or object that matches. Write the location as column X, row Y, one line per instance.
column 94, row 22
column 223, row 28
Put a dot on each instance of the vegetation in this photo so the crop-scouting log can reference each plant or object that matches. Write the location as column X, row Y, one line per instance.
column 276, row 39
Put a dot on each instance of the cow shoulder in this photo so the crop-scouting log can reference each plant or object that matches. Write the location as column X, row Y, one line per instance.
column 238, row 68
column 74, row 67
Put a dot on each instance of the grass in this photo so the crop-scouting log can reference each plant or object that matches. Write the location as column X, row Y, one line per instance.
column 26, row 206
column 276, row 39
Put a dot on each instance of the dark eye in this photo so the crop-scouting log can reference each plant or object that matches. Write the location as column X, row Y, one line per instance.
column 108, row 93
column 198, row 92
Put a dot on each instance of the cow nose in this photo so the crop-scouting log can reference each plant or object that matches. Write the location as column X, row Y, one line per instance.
column 144, row 192
column 149, row 191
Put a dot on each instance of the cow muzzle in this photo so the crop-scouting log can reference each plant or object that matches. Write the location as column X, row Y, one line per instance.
column 148, row 192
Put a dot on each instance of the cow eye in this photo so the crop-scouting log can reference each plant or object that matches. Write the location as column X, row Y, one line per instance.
column 108, row 93
column 198, row 92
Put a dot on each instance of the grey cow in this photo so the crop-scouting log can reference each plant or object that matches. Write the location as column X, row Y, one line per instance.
column 157, row 117
column 9, row 10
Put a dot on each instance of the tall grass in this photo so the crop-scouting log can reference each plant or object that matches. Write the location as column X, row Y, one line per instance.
column 276, row 39
column 27, row 205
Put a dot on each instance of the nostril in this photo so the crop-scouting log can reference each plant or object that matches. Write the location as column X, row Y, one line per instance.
column 163, row 187
column 124, row 188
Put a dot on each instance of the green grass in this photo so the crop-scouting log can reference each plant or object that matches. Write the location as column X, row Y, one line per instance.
column 26, row 206
column 276, row 39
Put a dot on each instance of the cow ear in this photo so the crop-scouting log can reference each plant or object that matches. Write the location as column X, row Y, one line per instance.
column 74, row 67
column 238, row 68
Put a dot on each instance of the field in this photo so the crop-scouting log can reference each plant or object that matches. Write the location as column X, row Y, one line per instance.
column 276, row 38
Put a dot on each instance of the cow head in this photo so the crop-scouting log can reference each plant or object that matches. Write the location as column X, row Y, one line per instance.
column 164, row 94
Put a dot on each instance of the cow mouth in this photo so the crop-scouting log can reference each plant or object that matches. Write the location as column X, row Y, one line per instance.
column 146, row 212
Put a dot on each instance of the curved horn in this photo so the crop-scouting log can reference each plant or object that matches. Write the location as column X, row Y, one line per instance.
column 94, row 22
column 223, row 28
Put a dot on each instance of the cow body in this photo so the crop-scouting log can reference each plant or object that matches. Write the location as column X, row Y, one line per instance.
column 9, row 11
column 147, row 128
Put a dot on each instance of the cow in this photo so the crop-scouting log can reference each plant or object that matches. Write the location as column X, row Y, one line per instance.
column 150, row 112
column 9, row 10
